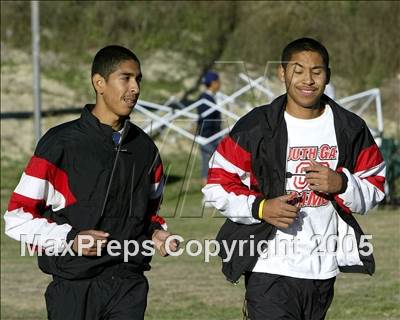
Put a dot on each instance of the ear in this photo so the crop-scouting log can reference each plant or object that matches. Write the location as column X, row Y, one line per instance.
column 281, row 73
column 98, row 83
column 328, row 76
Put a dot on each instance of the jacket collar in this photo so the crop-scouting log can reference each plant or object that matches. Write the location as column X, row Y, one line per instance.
column 344, row 122
column 106, row 131
column 274, row 113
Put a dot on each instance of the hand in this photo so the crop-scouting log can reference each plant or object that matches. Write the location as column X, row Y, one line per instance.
column 278, row 212
column 323, row 179
column 97, row 239
column 159, row 237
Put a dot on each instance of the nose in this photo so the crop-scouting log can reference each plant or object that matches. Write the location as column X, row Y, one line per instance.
column 308, row 77
column 134, row 86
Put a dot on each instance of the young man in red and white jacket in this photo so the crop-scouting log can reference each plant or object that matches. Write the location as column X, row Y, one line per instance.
column 92, row 182
column 289, row 177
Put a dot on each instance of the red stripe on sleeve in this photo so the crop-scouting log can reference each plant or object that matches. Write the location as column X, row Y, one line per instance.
column 43, row 169
column 368, row 158
column 229, row 182
column 342, row 205
column 33, row 206
column 377, row 181
column 157, row 174
column 157, row 219
column 221, row 176
column 235, row 154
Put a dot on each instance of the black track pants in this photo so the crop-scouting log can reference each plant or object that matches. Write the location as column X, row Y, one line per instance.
column 275, row 297
column 102, row 298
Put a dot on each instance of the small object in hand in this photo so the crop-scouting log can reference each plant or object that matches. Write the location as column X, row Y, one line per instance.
column 296, row 199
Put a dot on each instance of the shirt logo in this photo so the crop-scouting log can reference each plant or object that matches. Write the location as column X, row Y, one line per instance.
column 298, row 159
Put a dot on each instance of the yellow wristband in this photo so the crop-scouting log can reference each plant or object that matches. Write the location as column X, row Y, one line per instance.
column 260, row 209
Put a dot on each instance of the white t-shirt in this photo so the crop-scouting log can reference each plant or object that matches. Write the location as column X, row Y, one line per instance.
column 306, row 249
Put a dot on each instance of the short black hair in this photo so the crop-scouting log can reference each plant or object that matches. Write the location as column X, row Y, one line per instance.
column 107, row 59
column 304, row 44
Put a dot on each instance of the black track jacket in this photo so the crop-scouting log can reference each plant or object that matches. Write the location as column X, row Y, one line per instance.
column 250, row 165
column 78, row 179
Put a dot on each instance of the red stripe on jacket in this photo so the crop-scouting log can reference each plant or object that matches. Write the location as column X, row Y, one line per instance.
column 43, row 169
column 230, row 182
column 235, row 154
column 153, row 205
column 368, row 158
column 32, row 206
column 157, row 173
column 157, row 219
column 340, row 202
column 377, row 181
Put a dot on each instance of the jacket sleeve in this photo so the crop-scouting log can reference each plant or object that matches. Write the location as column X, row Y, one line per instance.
column 231, row 185
column 157, row 179
column 42, row 186
column 365, row 185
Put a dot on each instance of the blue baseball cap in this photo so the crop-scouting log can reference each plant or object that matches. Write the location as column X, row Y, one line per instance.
column 209, row 77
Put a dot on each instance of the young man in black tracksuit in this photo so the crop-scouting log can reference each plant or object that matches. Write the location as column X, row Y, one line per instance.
column 289, row 177
column 95, row 183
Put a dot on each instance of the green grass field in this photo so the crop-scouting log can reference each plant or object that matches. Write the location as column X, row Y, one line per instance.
column 186, row 287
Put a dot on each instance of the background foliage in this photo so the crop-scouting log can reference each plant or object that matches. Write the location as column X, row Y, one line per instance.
column 362, row 36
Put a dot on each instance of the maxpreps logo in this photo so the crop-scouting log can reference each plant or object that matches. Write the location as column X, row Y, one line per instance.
column 298, row 159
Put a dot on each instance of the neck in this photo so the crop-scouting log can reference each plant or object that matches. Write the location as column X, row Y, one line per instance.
column 301, row 112
column 108, row 118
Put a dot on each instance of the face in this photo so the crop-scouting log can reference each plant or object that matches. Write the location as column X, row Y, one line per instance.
column 305, row 79
column 216, row 85
column 120, row 92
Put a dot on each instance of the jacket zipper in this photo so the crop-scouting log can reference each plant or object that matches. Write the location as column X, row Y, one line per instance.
column 113, row 168
column 131, row 195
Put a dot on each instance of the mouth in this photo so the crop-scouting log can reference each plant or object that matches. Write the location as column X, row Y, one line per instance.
column 130, row 100
column 307, row 91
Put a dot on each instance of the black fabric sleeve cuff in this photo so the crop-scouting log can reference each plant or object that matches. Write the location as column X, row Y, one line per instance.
column 153, row 227
column 255, row 207
column 72, row 234
column 344, row 182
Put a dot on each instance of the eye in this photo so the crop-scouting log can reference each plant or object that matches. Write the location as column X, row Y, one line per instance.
column 125, row 78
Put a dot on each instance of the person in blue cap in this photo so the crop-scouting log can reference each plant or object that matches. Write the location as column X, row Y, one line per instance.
column 211, row 124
